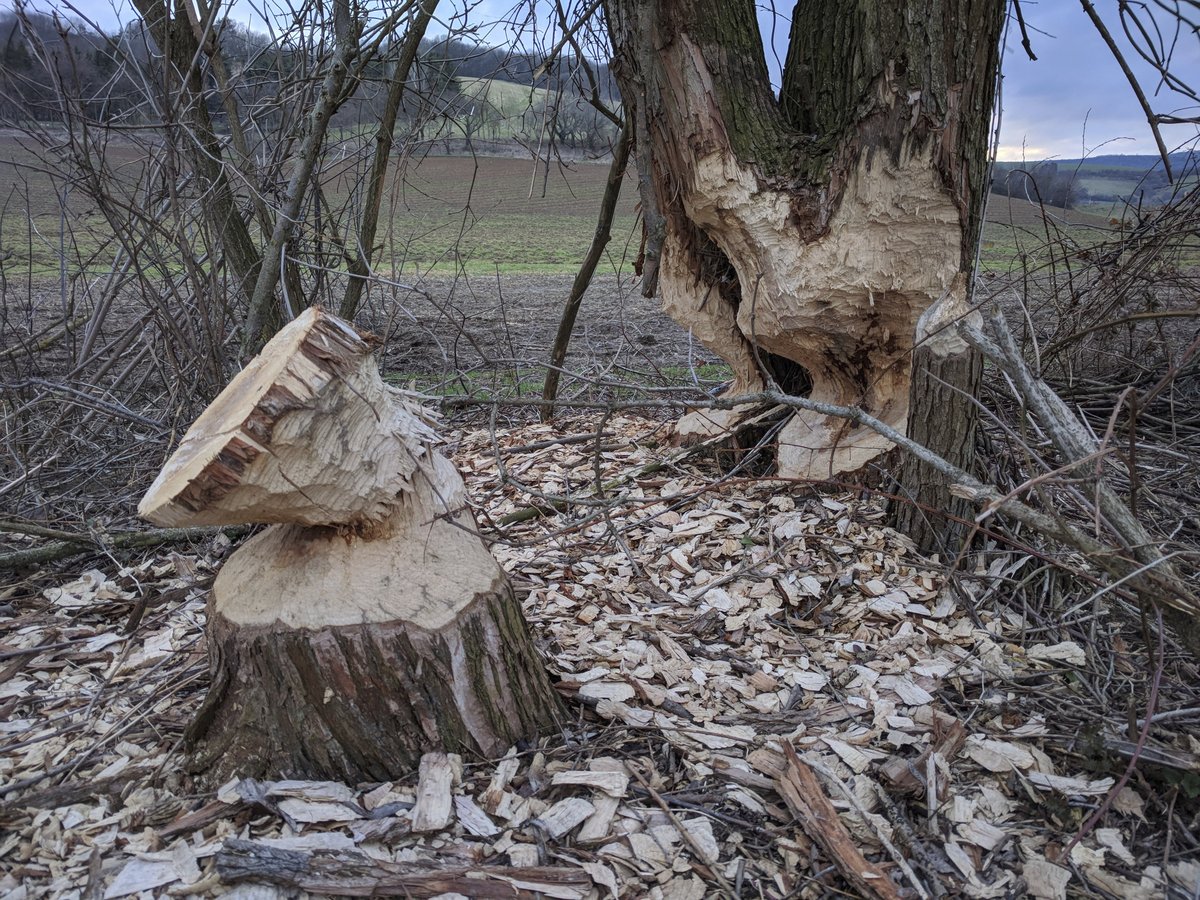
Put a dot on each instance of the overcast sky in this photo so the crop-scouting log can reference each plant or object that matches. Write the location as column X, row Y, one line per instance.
column 1072, row 101
column 1075, row 98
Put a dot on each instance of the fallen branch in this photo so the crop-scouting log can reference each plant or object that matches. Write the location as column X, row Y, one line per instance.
column 73, row 545
column 1153, row 570
column 45, row 339
column 81, row 792
column 802, row 792
column 350, row 874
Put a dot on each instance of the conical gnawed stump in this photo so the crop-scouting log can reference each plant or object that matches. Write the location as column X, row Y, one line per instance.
column 369, row 624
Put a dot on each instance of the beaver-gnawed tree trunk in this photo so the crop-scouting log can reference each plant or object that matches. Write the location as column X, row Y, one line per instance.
column 818, row 240
column 369, row 624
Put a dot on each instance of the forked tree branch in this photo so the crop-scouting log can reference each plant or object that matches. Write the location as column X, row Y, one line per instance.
column 1151, row 117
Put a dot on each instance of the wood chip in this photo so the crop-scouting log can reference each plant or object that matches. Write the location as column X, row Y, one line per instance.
column 599, row 824
column 1075, row 787
column 1045, row 880
column 608, row 690
column 762, row 617
column 615, row 784
column 473, row 818
column 434, row 808
column 564, row 816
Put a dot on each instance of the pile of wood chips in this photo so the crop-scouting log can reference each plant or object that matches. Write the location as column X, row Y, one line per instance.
column 772, row 696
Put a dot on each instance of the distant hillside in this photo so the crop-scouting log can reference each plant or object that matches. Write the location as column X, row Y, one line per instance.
column 1138, row 162
column 490, row 109
column 1097, row 180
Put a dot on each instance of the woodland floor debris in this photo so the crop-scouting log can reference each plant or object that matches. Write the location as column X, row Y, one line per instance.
column 697, row 626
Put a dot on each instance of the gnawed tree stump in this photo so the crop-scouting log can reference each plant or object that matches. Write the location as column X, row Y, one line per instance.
column 369, row 624
column 819, row 234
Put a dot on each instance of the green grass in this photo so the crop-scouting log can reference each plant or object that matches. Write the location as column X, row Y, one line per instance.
column 450, row 214
column 1017, row 235
column 441, row 215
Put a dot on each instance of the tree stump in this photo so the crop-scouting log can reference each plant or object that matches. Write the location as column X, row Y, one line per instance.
column 368, row 624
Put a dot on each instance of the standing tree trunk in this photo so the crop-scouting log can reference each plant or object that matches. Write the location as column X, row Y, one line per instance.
column 369, row 624
column 183, row 88
column 819, row 240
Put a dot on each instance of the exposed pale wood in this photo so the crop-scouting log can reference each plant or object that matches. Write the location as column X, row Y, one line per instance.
column 370, row 625
column 599, row 823
column 434, row 808
column 307, row 433
column 844, row 305
column 615, row 784
column 806, row 233
column 473, row 817
column 421, row 566
column 564, row 816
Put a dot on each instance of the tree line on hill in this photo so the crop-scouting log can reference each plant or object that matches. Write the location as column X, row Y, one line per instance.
column 45, row 57
column 1071, row 183
column 1044, row 184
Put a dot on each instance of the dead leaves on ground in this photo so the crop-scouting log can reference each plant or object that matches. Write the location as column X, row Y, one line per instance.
column 745, row 659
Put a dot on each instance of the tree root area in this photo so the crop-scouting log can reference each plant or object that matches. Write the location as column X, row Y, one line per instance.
column 363, row 702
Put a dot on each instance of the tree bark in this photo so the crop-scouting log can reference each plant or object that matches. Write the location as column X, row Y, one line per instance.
column 369, row 624
column 360, row 268
column 820, row 237
column 180, row 50
column 347, row 657
column 352, row 874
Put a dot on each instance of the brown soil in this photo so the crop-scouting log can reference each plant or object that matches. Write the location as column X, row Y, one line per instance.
column 471, row 323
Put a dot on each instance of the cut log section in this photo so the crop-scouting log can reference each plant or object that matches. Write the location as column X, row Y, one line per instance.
column 307, row 433
column 370, row 624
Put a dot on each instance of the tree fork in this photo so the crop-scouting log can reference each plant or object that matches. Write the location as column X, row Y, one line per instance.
column 369, row 623
column 845, row 212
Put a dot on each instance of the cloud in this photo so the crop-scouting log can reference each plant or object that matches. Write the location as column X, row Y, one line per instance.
column 1074, row 99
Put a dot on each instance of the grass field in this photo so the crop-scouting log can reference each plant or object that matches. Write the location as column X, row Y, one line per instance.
column 1017, row 232
column 444, row 215
column 508, row 215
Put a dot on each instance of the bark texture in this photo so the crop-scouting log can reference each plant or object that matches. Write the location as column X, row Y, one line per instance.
column 326, row 873
column 811, row 240
column 363, row 702
column 370, row 624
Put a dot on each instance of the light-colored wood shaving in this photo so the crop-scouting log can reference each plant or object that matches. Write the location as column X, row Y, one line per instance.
column 694, row 629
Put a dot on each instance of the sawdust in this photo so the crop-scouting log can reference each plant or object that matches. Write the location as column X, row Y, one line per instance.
column 697, row 628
